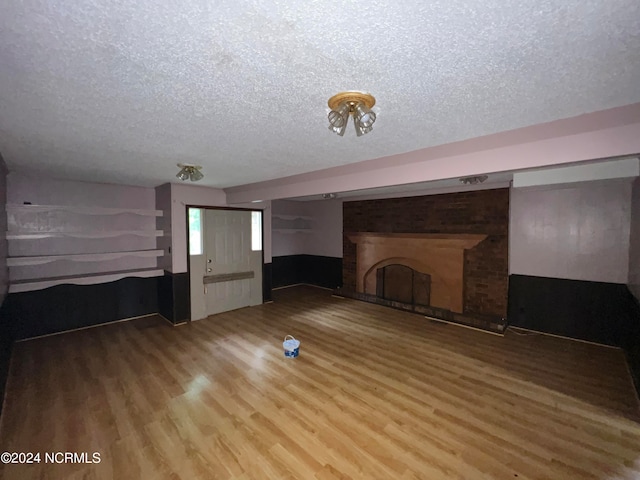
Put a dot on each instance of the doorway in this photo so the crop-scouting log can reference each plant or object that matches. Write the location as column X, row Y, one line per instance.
column 225, row 259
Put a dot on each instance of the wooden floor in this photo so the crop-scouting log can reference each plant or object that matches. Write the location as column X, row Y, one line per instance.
column 375, row 394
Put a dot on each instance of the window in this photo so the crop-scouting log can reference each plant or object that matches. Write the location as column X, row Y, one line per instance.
column 256, row 231
column 195, row 231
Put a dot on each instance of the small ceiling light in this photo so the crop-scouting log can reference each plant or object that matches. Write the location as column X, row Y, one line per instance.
column 189, row 172
column 329, row 196
column 475, row 180
column 355, row 104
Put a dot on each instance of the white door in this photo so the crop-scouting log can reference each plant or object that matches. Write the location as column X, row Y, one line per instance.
column 229, row 274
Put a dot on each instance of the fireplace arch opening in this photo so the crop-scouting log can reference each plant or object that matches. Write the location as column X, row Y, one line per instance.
column 370, row 275
column 400, row 283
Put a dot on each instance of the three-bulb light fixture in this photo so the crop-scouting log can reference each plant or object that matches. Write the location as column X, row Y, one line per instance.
column 189, row 172
column 355, row 104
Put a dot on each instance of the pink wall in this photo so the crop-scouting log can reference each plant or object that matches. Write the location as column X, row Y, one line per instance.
column 634, row 241
column 604, row 134
column 578, row 231
column 163, row 202
column 46, row 191
column 326, row 236
column 282, row 243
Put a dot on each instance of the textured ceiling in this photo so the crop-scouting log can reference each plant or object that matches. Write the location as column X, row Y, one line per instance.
column 120, row 91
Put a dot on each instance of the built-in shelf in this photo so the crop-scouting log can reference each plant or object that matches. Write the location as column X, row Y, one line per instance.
column 292, row 230
column 291, row 217
column 82, row 257
column 33, row 230
column 103, row 234
column 86, row 279
column 291, row 223
column 82, row 210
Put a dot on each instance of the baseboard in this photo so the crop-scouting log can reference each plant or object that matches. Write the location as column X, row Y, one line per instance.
column 537, row 332
column 167, row 320
column 470, row 327
column 89, row 326
column 317, row 286
column 287, row 286
column 302, row 285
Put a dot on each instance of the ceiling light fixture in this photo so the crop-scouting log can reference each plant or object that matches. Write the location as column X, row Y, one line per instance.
column 355, row 104
column 329, row 196
column 189, row 172
column 475, row 180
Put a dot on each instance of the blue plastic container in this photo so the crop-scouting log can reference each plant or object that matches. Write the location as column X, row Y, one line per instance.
column 291, row 346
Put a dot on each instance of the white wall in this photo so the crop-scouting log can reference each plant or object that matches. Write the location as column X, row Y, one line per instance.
column 634, row 241
column 578, row 231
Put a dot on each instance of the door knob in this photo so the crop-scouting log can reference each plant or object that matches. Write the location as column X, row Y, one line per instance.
column 208, row 269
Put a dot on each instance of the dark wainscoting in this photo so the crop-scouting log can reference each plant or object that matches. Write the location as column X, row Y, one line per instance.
column 173, row 297
column 66, row 307
column 594, row 311
column 312, row 269
column 285, row 271
column 631, row 344
column 6, row 345
column 266, row 282
column 599, row 312
column 181, row 298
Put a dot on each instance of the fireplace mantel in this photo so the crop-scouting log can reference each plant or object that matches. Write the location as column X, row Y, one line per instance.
column 440, row 255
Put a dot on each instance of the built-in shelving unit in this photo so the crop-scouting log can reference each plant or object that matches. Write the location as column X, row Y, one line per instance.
column 82, row 210
column 291, row 223
column 72, row 244
column 89, row 279
column 88, row 234
column 81, row 257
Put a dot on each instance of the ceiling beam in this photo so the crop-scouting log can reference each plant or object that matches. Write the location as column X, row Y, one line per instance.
column 604, row 134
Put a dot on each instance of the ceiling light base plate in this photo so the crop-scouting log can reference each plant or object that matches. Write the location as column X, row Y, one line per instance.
column 351, row 98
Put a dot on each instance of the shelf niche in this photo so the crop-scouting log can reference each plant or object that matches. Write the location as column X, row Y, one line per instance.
column 291, row 223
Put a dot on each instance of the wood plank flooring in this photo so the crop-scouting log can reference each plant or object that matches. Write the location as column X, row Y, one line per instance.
column 375, row 394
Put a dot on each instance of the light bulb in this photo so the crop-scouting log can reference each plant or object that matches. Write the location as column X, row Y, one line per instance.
column 364, row 116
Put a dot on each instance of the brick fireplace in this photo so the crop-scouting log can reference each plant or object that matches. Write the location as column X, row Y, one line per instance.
column 444, row 256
